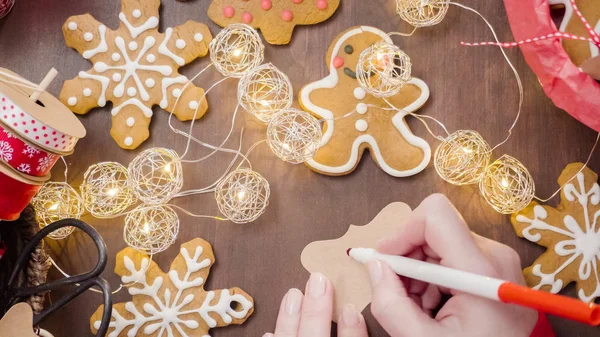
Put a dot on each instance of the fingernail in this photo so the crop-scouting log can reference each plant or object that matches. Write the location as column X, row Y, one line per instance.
column 375, row 271
column 316, row 285
column 350, row 315
column 293, row 301
column 268, row 335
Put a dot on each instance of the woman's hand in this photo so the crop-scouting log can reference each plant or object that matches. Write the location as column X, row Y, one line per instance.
column 436, row 233
column 310, row 315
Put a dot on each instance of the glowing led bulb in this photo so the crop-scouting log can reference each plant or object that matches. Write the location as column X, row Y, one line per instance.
column 264, row 103
column 146, row 228
column 241, row 195
column 237, row 52
column 504, row 183
column 168, row 167
column 54, row 207
column 112, row 192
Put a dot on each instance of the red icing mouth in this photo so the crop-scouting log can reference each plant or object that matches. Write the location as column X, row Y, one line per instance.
column 338, row 62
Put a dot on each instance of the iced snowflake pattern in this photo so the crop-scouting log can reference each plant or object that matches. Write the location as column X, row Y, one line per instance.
column 44, row 163
column 135, row 67
column 173, row 303
column 8, row 134
column 25, row 168
column 571, row 233
column 6, row 151
column 30, row 151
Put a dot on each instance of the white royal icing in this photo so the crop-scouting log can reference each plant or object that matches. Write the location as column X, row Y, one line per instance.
column 581, row 241
column 198, row 37
column 359, row 93
column 128, row 141
column 168, row 314
column 87, row 92
column 102, row 46
column 72, row 101
column 152, row 22
column 567, row 18
column 330, row 82
column 72, row 25
column 130, row 121
column 193, row 105
column 116, row 77
column 88, row 36
column 116, row 57
column 104, row 82
column 132, row 46
column 180, row 44
column 133, row 101
column 137, row 13
column 166, row 83
column 151, row 58
column 361, row 125
column 131, row 91
column 361, row 108
column 165, row 51
column 149, row 83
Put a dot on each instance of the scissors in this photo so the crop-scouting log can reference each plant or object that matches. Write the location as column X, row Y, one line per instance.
column 82, row 282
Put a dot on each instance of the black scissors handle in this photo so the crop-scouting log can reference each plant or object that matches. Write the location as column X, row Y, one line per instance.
column 83, row 281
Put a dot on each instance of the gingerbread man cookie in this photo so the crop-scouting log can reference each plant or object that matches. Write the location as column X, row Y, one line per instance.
column 135, row 67
column 571, row 234
column 579, row 51
column 173, row 303
column 275, row 18
column 385, row 133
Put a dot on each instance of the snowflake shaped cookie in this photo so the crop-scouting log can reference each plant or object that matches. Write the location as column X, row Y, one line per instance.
column 571, row 232
column 135, row 67
column 383, row 132
column 173, row 304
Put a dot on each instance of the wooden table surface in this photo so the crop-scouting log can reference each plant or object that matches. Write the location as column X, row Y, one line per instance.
column 471, row 88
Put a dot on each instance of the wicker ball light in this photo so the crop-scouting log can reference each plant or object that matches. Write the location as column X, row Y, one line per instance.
column 56, row 201
column 105, row 191
column 243, row 195
column 151, row 228
column 507, row 185
column 236, row 50
column 422, row 13
column 383, row 69
column 265, row 91
column 462, row 157
column 294, row 136
column 155, row 175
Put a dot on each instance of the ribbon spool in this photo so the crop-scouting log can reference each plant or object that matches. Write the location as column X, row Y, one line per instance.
column 36, row 130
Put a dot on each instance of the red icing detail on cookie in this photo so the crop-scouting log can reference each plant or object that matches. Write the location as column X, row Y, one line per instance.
column 321, row 4
column 287, row 15
column 228, row 11
column 246, row 17
column 338, row 62
column 265, row 5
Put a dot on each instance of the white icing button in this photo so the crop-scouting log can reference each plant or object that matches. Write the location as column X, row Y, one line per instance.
column 150, row 83
column 361, row 125
column 130, row 121
column 131, row 91
column 116, row 77
column 176, row 92
column 151, row 58
column 116, row 57
column 180, row 44
column 137, row 13
column 193, row 105
column 87, row 92
column 133, row 45
column 128, row 141
column 361, row 108
column 198, row 37
column 88, row 36
column 359, row 93
column 72, row 26
column 72, row 101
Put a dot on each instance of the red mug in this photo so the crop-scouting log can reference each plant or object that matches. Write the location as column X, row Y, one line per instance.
column 5, row 7
column 16, row 193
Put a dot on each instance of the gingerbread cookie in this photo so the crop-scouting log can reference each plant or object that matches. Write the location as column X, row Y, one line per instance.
column 385, row 133
column 135, row 67
column 571, row 233
column 579, row 51
column 275, row 18
column 350, row 279
column 173, row 303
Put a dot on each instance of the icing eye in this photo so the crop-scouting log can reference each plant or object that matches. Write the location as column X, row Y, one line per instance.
column 348, row 49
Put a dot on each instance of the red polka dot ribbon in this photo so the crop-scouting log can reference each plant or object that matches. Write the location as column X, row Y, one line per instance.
column 23, row 157
column 593, row 36
column 32, row 129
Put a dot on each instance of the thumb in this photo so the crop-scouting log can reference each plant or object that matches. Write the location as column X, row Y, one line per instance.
column 397, row 313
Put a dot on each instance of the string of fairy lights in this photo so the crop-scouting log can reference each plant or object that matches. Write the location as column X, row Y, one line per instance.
column 155, row 176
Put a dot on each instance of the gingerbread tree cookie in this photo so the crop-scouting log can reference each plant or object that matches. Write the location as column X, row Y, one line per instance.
column 384, row 132
column 579, row 51
column 275, row 18
column 571, row 232
column 350, row 279
column 173, row 303
column 135, row 67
